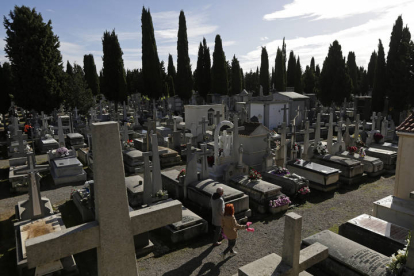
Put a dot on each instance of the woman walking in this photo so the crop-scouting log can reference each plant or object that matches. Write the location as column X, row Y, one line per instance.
column 230, row 227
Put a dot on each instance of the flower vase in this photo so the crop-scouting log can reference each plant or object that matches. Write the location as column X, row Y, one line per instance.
column 279, row 209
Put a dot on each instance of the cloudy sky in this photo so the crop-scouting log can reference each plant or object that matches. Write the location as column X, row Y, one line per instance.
column 309, row 27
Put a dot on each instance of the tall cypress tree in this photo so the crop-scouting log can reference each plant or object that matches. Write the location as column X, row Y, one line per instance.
column 280, row 80
column 335, row 83
column 206, row 69
column 219, row 80
column 236, row 77
column 371, row 69
column 69, row 68
column 353, row 72
column 35, row 59
column 171, row 68
column 284, row 57
column 6, row 87
column 380, row 81
column 264, row 71
column 291, row 71
column 184, row 81
column 114, row 76
column 91, row 75
column 309, row 80
column 298, row 77
column 199, row 69
column 312, row 64
column 151, row 73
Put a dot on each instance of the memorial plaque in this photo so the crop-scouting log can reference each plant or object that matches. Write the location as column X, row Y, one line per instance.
column 189, row 219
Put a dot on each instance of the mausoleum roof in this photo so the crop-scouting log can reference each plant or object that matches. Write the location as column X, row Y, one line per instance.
column 407, row 125
column 250, row 127
column 293, row 95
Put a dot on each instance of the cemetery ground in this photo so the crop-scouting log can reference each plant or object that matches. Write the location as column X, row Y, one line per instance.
column 320, row 211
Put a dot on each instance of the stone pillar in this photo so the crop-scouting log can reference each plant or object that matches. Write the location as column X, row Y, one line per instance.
column 116, row 251
column 60, row 133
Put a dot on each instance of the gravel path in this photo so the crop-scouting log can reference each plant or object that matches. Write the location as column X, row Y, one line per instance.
column 197, row 257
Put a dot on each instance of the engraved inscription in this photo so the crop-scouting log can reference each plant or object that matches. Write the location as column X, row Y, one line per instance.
column 369, row 262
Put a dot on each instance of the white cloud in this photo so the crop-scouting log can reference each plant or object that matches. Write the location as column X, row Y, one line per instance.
column 264, row 38
column 361, row 39
column 50, row 10
column 228, row 43
column 328, row 9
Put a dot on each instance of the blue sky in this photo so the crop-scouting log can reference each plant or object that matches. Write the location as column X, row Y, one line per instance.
column 309, row 27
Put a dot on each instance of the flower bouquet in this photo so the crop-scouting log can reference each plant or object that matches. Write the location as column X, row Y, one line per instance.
column 359, row 143
column 295, row 147
column 397, row 264
column 254, row 175
column 277, row 143
column 182, row 173
column 352, row 150
column 320, row 149
column 128, row 144
column 280, row 171
column 304, row 191
column 281, row 201
column 362, row 152
column 62, row 152
column 378, row 137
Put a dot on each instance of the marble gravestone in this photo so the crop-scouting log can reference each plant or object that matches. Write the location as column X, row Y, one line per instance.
column 347, row 257
column 133, row 161
column 290, row 183
column 67, row 170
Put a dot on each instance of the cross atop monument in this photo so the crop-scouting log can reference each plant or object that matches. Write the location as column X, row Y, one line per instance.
column 113, row 231
column 330, row 133
column 318, row 129
column 204, row 165
column 60, row 133
column 373, row 118
column 284, row 109
column 203, row 124
column 236, row 144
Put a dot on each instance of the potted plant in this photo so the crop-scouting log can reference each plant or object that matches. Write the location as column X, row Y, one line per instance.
column 378, row 137
column 280, row 204
column 254, row 175
column 362, row 153
column 128, row 145
column 182, row 173
column 302, row 192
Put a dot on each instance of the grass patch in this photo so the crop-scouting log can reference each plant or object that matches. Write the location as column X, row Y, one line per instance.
column 334, row 228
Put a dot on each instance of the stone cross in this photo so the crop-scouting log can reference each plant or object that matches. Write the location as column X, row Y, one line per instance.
column 44, row 121
column 204, row 165
column 112, row 234
column 373, row 118
column 318, row 129
column 293, row 152
column 384, row 129
column 125, row 134
column 347, row 136
column 364, row 125
column 283, row 148
column 124, row 112
column 218, row 116
column 236, row 145
column 35, row 206
column 20, row 141
column 15, row 125
column 379, row 119
column 284, row 113
column 298, row 260
column 356, row 131
column 330, row 133
column 60, row 133
column 203, row 124
column 156, row 168
column 339, row 134
column 190, row 169
column 306, row 140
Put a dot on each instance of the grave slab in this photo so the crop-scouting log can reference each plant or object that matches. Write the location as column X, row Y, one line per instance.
column 322, row 178
column 290, row 183
column 374, row 233
column 373, row 166
column 260, row 192
column 351, row 170
column 347, row 257
column 174, row 186
column 388, row 157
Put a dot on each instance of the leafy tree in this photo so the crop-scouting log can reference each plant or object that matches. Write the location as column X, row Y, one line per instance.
column 219, row 79
column 298, row 77
column 264, row 71
column 380, row 81
column 280, row 80
column 91, row 74
column 309, row 81
column 236, row 77
column 6, row 87
column 151, row 73
column 335, row 83
column 371, row 69
column 36, row 62
column 353, row 72
column 77, row 94
column 291, row 71
column 134, row 81
column 184, row 81
column 113, row 72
